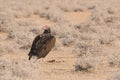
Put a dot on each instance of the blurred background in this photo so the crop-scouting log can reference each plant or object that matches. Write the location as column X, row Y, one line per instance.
column 87, row 39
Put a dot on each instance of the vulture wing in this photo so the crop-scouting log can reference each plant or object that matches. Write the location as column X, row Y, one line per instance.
column 41, row 46
column 46, row 48
column 33, row 47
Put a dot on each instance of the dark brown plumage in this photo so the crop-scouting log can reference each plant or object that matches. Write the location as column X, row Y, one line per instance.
column 42, row 44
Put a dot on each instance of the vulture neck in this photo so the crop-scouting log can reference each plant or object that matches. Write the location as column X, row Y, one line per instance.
column 46, row 32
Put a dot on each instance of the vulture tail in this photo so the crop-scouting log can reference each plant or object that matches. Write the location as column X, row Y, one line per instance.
column 30, row 56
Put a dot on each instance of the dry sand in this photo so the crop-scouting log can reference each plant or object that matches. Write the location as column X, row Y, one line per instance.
column 87, row 33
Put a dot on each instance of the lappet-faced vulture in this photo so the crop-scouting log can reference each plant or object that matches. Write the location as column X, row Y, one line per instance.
column 42, row 44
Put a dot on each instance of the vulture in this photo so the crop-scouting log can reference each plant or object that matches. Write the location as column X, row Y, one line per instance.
column 42, row 44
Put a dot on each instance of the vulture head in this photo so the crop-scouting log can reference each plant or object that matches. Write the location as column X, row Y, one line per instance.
column 46, row 29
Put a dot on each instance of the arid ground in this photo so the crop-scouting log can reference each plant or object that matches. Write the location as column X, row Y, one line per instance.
column 87, row 39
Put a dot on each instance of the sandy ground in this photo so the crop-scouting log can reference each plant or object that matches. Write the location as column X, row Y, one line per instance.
column 87, row 33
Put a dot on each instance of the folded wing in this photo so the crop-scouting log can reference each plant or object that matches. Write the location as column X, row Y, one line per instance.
column 46, row 47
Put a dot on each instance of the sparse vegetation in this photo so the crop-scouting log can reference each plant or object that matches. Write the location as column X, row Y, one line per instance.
column 115, row 76
column 17, row 69
column 115, row 60
column 92, row 44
